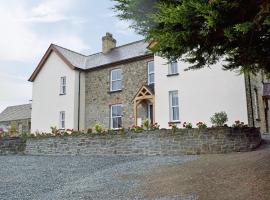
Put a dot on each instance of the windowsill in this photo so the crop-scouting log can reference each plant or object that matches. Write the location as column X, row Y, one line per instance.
column 176, row 74
column 115, row 129
column 114, row 91
column 62, row 94
column 174, row 122
column 258, row 120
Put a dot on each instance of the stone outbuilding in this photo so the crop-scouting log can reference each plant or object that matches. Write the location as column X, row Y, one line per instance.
column 18, row 117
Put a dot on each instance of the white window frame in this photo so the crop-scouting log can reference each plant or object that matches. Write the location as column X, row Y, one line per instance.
column 256, row 104
column 63, row 85
column 116, row 80
column 149, row 73
column 173, row 106
column 118, row 116
column 170, row 71
column 62, row 120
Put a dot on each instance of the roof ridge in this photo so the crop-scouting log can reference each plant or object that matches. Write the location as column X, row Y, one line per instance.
column 127, row 44
column 70, row 50
column 19, row 105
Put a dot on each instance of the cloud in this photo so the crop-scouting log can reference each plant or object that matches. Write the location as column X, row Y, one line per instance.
column 123, row 27
column 13, row 90
column 21, row 42
column 53, row 11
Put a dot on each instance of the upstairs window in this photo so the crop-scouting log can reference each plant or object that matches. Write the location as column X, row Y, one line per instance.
column 63, row 85
column 174, row 106
column 256, row 104
column 116, row 79
column 116, row 116
column 62, row 121
column 151, row 72
column 173, row 68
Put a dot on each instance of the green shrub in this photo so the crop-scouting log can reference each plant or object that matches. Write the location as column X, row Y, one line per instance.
column 188, row 125
column 173, row 126
column 219, row 119
column 201, row 125
column 136, row 129
column 89, row 130
column 121, row 131
column 98, row 128
column 238, row 124
column 154, row 126
column 145, row 124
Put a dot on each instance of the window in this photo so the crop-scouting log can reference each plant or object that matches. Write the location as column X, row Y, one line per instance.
column 62, row 120
column 116, row 79
column 151, row 72
column 256, row 104
column 174, row 106
column 116, row 116
column 173, row 68
column 63, row 87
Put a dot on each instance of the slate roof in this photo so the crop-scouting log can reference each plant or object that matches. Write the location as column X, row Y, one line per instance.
column 16, row 113
column 124, row 52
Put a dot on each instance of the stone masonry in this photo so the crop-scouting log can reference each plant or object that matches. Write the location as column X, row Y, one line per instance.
column 24, row 124
column 254, row 82
column 98, row 97
column 159, row 142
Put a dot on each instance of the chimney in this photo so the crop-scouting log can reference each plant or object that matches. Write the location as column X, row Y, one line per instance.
column 108, row 43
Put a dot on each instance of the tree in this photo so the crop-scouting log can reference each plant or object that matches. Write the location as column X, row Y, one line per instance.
column 203, row 32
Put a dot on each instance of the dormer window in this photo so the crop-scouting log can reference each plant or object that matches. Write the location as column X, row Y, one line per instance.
column 173, row 68
column 151, row 72
column 63, row 87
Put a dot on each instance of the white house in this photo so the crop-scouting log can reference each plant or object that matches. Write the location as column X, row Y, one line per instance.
column 123, row 85
column 194, row 96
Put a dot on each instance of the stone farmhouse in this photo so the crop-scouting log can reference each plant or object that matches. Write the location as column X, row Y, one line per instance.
column 123, row 85
column 18, row 117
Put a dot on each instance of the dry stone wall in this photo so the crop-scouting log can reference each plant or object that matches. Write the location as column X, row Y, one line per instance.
column 161, row 142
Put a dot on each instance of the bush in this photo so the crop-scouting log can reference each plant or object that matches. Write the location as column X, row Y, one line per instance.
column 201, row 125
column 154, row 126
column 173, row 126
column 136, row 129
column 145, row 124
column 187, row 125
column 98, row 128
column 219, row 119
column 89, row 131
column 238, row 124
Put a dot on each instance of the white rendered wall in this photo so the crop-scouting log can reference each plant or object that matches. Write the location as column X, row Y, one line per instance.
column 201, row 93
column 47, row 103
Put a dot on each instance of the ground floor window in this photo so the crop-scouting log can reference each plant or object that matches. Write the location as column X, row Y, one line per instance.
column 62, row 120
column 256, row 104
column 174, row 106
column 116, row 116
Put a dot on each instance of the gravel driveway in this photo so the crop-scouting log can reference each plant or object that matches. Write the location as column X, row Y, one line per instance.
column 78, row 177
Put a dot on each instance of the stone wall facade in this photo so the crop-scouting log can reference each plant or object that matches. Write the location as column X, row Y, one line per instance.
column 12, row 146
column 98, row 97
column 254, row 89
column 160, row 142
column 22, row 125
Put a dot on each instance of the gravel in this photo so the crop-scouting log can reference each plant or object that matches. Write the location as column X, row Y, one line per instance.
column 78, row 177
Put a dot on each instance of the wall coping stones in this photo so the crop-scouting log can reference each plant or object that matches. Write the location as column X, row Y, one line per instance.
column 156, row 142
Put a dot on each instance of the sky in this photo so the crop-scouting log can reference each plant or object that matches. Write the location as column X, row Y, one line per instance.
column 28, row 27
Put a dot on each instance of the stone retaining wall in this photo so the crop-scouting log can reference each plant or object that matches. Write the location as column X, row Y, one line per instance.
column 160, row 142
column 12, row 146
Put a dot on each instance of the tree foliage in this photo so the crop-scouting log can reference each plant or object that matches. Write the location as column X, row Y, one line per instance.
column 203, row 32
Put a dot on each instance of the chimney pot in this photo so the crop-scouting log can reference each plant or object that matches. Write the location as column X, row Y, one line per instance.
column 108, row 43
